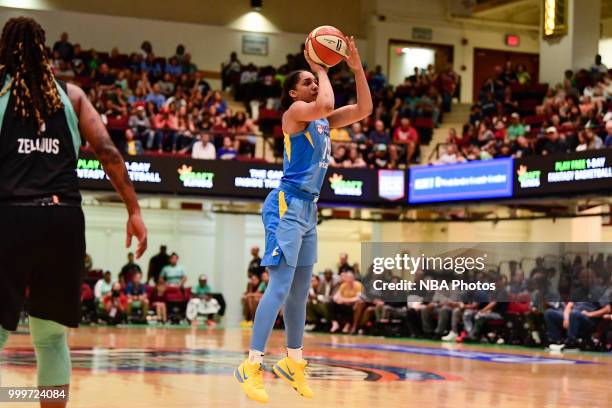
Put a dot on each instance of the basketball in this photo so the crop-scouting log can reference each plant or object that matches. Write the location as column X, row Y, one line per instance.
column 326, row 45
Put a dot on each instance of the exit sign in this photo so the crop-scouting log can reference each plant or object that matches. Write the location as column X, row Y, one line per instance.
column 512, row 40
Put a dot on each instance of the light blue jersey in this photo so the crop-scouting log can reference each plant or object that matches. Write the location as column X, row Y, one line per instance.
column 306, row 157
column 290, row 212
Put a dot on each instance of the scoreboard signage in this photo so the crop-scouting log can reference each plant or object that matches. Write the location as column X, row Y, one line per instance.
column 581, row 172
column 460, row 182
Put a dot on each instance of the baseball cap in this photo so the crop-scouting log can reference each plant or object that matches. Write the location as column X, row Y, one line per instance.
column 551, row 129
column 516, row 115
column 203, row 277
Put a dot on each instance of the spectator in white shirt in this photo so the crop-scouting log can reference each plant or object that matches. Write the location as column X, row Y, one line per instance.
column 203, row 149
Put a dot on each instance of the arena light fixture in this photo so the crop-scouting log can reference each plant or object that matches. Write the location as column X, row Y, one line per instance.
column 257, row 4
column 555, row 18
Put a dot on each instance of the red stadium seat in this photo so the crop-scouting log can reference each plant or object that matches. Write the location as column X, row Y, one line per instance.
column 174, row 294
column 519, row 303
column 117, row 122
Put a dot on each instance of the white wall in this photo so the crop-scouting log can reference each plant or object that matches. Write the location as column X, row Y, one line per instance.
column 217, row 245
column 575, row 50
column 446, row 33
column 402, row 65
column 209, row 45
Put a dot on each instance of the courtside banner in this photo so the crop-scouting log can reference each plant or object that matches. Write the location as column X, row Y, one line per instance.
column 579, row 172
column 539, row 275
column 357, row 186
column 233, row 179
column 148, row 174
column 461, row 181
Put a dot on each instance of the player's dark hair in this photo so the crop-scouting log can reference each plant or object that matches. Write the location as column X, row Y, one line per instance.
column 290, row 82
column 23, row 57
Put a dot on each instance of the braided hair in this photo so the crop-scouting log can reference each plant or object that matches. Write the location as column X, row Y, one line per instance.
column 23, row 57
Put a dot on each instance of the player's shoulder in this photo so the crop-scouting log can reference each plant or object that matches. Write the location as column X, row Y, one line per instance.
column 75, row 94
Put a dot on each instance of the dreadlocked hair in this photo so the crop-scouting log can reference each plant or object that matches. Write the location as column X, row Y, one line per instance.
column 23, row 57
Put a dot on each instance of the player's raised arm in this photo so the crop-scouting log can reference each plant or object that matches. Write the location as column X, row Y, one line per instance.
column 319, row 88
column 350, row 114
column 94, row 131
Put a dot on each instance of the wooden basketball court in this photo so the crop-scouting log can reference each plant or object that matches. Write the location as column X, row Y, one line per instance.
column 184, row 367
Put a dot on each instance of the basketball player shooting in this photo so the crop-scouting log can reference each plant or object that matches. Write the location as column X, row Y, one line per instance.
column 290, row 214
column 41, row 124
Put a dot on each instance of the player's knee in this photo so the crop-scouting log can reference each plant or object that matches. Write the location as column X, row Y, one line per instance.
column 52, row 354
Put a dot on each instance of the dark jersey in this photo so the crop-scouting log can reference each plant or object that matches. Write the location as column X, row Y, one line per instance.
column 34, row 165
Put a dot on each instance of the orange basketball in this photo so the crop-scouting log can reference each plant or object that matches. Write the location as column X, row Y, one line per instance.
column 326, row 45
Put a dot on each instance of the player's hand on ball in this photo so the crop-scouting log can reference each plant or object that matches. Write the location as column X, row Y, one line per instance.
column 314, row 67
column 353, row 60
column 136, row 227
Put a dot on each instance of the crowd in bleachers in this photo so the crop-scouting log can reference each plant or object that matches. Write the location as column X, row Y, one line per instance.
column 516, row 118
column 163, row 297
column 152, row 104
column 558, row 303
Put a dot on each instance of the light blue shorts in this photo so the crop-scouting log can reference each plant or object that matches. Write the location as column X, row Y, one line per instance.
column 291, row 229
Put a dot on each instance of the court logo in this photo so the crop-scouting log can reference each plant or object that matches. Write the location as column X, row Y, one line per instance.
column 217, row 362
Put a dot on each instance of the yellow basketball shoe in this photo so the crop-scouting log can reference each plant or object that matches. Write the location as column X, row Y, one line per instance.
column 294, row 373
column 250, row 377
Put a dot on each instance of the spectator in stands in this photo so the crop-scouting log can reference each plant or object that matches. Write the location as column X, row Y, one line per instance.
column 450, row 155
column 137, row 296
column 156, row 96
column 379, row 135
column 166, row 85
column 516, row 128
column 355, row 158
column 227, row 151
column 522, row 75
column 115, row 306
column 64, row 48
column 341, row 308
column 133, row 146
column 173, row 67
column 151, row 66
column 129, row 269
column 202, row 288
column 494, row 310
column 380, row 158
column 552, row 142
column 255, row 264
column 105, row 78
column 245, row 130
column 157, row 263
column 188, row 66
column 356, row 133
column 186, row 130
column 320, row 298
column 589, row 140
column 598, row 67
column 521, row 148
column 217, row 102
column 608, row 141
column 173, row 274
column 140, row 125
column 158, row 301
column 230, row 71
column 203, row 149
column 165, row 124
column 250, row 300
column 579, row 318
column 146, row 48
column 406, row 136
column 102, row 288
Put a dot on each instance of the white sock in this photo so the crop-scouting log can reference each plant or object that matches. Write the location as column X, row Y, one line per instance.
column 256, row 357
column 294, row 354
